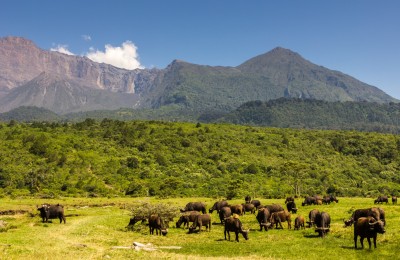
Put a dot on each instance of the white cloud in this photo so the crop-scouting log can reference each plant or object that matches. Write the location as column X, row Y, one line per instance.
column 62, row 49
column 86, row 37
column 125, row 56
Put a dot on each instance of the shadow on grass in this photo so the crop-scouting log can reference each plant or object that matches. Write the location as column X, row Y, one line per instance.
column 312, row 236
column 351, row 248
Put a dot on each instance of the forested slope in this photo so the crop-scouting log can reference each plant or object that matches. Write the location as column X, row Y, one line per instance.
column 140, row 158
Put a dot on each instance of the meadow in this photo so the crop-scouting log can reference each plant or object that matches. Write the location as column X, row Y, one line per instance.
column 96, row 229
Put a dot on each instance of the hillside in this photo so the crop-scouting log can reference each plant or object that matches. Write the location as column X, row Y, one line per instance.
column 318, row 114
column 164, row 159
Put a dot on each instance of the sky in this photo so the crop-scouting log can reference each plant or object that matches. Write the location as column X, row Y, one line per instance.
column 360, row 38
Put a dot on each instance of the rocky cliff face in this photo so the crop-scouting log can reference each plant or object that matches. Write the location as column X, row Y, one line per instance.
column 21, row 61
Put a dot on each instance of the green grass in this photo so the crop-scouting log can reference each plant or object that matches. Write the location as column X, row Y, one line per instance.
column 95, row 226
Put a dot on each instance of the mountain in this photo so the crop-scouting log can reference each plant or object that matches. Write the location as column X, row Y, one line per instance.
column 30, row 114
column 63, row 83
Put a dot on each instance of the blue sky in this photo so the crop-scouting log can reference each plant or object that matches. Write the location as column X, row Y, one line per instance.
column 358, row 37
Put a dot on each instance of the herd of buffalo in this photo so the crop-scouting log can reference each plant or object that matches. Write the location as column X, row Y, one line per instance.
column 367, row 222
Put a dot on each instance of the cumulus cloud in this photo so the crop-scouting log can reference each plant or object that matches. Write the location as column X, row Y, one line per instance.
column 86, row 37
column 125, row 56
column 62, row 49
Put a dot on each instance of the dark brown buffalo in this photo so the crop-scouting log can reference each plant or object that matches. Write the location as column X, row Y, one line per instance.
column 333, row 198
column 200, row 221
column 237, row 209
column 248, row 207
column 224, row 213
column 367, row 228
column 291, row 207
column 49, row 211
column 309, row 201
column 326, row 200
column 274, row 208
column 288, row 199
column 394, row 199
column 256, row 203
column 218, row 206
column 234, row 225
column 281, row 216
column 195, row 206
column 382, row 199
column 133, row 220
column 323, row 223
column 299, row 223
column 263, row 217
column 156, row 222
column 186, row 218
column 376, row 213
column 247, row 199
column 313, row 213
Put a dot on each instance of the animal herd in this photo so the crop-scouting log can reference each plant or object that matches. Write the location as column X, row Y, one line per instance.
column 367, row 222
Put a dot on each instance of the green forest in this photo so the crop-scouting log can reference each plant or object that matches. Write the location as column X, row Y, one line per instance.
column 175, row 159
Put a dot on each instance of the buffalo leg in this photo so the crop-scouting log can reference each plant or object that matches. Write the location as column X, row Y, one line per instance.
column 362, row 242
column 374, row 237
column 369, row 242
column 237, row 236
column 355, row 242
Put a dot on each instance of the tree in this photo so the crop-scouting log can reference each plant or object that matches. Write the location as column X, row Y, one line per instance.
column 294, row 172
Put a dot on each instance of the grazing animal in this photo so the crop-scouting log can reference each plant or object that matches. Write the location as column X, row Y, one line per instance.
column 288, row 199
column 291, row 207
column 224, row 213
column 376, row 213
column 133, row 220
column 199, row 221
column 309, row 201
column 326, row 200
column 367, row 228
column 333, row 198
column 313, row 213
column 256, row 203
column 234, row 225
column 247, row 199
column 237, row 209
column 381, row 199
column 394, row 199
column 156, row 222
column 218, row 206
column 186, row 218
column 323, row 223
column 248, row 207
column 197, row 206
column 262, row 217
column 279, row 217
column 274, row 208
column 299, row 223
column 49, row 211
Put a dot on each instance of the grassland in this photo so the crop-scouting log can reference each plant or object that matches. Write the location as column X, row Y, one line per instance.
column 95, row 229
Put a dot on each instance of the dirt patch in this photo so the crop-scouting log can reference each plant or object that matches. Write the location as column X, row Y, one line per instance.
column 13, row 212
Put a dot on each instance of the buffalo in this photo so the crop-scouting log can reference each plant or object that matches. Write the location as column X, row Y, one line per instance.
column 199, row 221
column 291, row 206
column 197, row 206
column 156, row 222
column 224, row 213
column 186, row 218
column 323, row 223
column 376, row 213
column 133, row 220
column 274, row 208
column 279, row 217
column 394, row 199
column 309, row 201
column 288, row 199
column 313, row 213
column 237, row 209
column 381, row 199
column 299, row 223
column 247, row 199
column 234, row 225
column 256, row 203
column 262, row 217
column 367, row 227
column 326, row 200
column 248, row 207
column 49, row 211
column 218, row 206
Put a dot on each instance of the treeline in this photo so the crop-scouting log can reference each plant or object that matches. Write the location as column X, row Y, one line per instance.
column 318, row 114
column 164, row 159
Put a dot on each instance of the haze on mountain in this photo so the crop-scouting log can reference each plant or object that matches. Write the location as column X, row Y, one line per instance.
column 30, row 76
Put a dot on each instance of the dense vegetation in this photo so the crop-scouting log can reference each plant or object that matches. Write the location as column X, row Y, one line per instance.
column 164, row 159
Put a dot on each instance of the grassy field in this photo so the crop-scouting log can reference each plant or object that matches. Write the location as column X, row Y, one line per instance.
column 95, row 229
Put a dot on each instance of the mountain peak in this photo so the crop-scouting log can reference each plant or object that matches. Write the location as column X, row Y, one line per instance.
column 15, row 40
